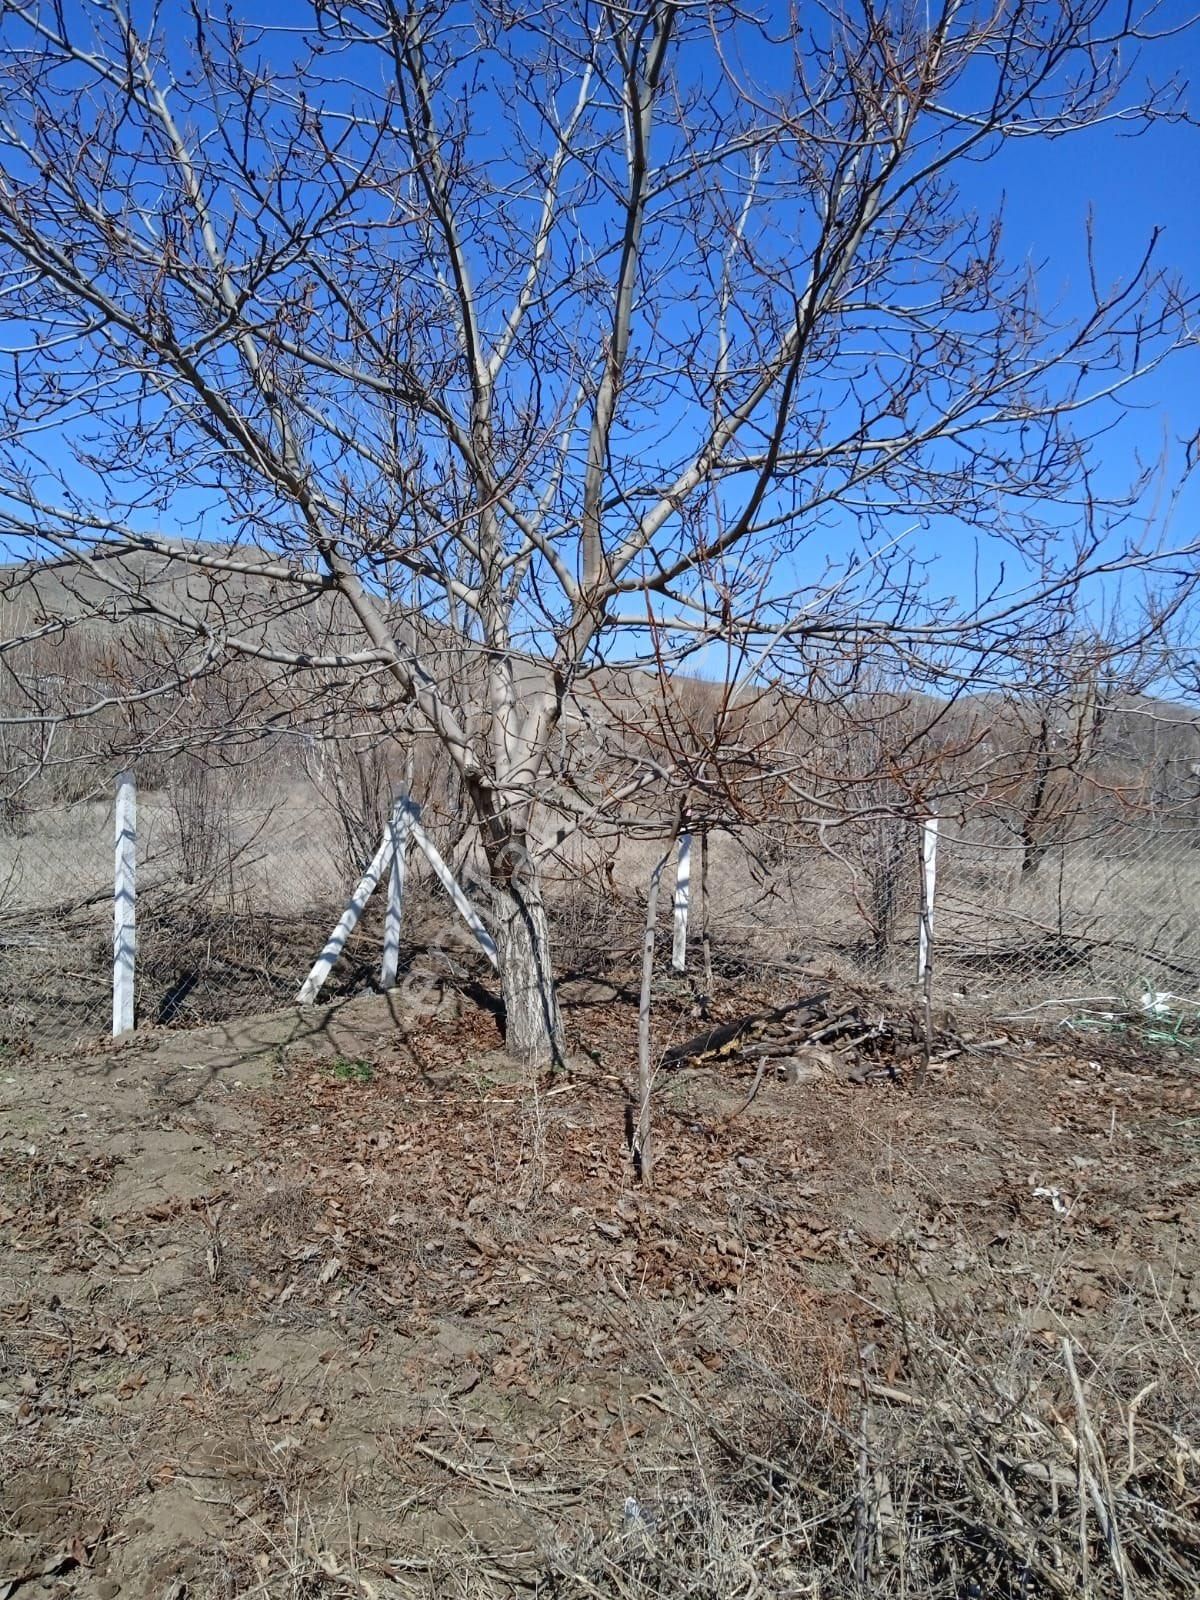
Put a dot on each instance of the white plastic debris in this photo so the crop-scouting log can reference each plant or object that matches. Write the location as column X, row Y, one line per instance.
column 1157, row 1002
column 635, row 1522
column 1049, row 1192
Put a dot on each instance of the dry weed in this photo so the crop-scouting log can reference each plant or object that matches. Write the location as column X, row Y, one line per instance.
column 989, row 1470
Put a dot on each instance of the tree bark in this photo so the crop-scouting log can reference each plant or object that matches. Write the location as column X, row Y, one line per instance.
column 533, row 1026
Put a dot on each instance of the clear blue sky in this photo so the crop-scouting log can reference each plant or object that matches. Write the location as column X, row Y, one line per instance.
column 1128, row 186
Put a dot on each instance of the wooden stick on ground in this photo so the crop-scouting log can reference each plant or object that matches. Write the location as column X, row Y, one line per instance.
column 643, row 1157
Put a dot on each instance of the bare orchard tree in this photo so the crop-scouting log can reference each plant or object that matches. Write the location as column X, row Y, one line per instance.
column 547, row 326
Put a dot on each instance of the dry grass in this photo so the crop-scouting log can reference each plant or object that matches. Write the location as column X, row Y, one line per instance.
column 994, row 1471
column 998, row 1470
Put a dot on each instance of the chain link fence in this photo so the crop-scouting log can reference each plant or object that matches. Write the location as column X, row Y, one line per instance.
column 1107, row 914
column 231, row 901
column 242, row 873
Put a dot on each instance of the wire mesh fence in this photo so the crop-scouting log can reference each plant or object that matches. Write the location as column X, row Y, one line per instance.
column 1110, row 912
column 228, row 907
column 241, row 876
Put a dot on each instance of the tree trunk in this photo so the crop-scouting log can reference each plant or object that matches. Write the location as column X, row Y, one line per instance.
column 533, row 1027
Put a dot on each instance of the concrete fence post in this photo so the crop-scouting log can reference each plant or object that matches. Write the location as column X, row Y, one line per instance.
column 125, row 904
column 683, row 883
column 929, row 847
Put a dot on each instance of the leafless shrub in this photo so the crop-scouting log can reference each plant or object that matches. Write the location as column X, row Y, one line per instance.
column 592, row 927
column 200, row 803
column 884, row 886
column 359, row 782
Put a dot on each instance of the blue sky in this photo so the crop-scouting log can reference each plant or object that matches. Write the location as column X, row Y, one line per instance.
column 1128, row 186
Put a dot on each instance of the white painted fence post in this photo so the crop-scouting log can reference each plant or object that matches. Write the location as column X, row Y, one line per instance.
column 929, row 844
column 124, row 903
column 402, row 826
column 448, row 881
column 683, row 881
column 311, row 987
column 404, row 813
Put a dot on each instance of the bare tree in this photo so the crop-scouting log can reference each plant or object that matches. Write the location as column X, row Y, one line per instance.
column 524, row 339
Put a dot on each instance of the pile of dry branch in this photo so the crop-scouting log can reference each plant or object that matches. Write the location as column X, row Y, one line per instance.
column 849, row 1032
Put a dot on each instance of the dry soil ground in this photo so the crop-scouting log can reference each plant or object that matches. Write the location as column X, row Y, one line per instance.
column 346, row 1305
